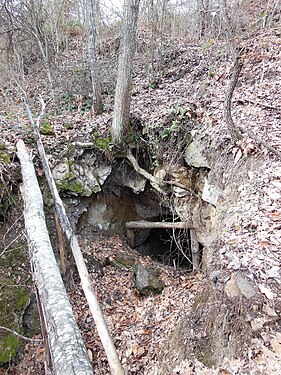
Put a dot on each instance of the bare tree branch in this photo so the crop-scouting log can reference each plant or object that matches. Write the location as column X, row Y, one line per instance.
column 38, row 341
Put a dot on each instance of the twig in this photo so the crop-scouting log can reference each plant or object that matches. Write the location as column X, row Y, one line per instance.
column 259, row 140
column 20, row 336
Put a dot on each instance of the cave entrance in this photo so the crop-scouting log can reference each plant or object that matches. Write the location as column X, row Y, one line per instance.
column 172, row 243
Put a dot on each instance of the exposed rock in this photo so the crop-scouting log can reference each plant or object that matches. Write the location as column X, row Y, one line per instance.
column 127, row 176
column 121, row 260
column 245, row 286
column 81, row 178
column 195, row 155
column 137, row 184
column 231, row 289
column 239, row 285
column 210, row 193
column 147, row 280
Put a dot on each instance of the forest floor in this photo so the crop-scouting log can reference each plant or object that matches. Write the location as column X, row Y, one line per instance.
column 195, row 76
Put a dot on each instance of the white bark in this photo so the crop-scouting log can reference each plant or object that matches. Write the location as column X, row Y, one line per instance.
column 88, row 289
column 122, row 102
column 67, row 351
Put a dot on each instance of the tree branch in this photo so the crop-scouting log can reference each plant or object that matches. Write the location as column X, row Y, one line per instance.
column 157, row 183
column 39, row 341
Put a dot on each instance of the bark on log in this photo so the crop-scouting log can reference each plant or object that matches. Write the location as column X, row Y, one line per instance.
column 67, row 350
column 107, row 342
column 157, row 225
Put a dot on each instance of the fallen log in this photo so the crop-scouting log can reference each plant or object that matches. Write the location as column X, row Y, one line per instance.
column 143, row 224
column 103, row 331
column 67, row 353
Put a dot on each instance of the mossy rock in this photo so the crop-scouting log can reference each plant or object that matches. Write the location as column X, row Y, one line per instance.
column 14, row 299
column 102, row 143
column 9, row 345
column 46, row 128
column 4, row 155
column 13, row 303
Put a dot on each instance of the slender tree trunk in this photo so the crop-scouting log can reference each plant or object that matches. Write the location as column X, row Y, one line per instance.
column 121, row 114
column 44, row 52
column 96, row 88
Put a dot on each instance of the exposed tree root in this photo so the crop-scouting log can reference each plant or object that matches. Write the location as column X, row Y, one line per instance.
column 236, row 130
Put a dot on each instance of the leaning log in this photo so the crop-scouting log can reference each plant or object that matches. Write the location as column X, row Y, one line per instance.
column 143, row 224
column 63, row 340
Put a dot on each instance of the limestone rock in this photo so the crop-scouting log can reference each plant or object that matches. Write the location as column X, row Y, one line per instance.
column 124, row 260
column 239, row 285
column 195, row 155
column 210, row 193
column 80, row 179
column 137, row 184
column 147, row 280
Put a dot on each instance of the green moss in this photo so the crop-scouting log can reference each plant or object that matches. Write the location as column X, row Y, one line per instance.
column 75, row 186
column 8, row 348
column 46, row 128
column 69, row 126
column 22, row 299
column 5, row 157
column 101, row 142
column 67, row 181
column 13, row 304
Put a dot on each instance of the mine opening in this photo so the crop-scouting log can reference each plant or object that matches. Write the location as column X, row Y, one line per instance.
column 171, row 243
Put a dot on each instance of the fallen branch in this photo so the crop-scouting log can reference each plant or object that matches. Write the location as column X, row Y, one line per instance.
column 259, row 140
column 86, row 283
column 234, row 132
column 157, row 183
column 38, row 341
column 143, row 224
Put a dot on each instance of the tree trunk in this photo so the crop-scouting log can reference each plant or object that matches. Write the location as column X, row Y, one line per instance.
column 67, row 351
column 121, row 114
column 96, row 88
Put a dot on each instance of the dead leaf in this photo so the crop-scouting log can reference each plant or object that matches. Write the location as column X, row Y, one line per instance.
column 266, row 291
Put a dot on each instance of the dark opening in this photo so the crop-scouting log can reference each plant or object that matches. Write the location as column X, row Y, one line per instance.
column 169, row 246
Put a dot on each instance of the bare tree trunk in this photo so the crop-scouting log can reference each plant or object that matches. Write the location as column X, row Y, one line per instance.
column 121, row 114
column 44, row 53
column 163, row 10
column 96, row 88
column 67, row 352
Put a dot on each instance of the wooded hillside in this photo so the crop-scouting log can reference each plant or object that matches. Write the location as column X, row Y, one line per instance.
column 158, row 125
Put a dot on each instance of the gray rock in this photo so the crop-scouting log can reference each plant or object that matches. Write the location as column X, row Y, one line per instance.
column 80, row 179
column 210, row 193
column 245, row 286
column 194, row 155
column 239, row 285
column 147, row 280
